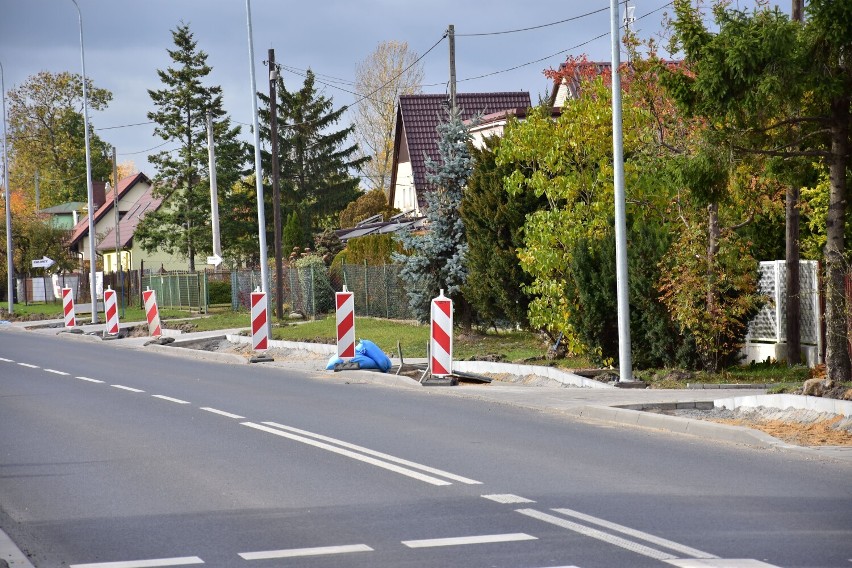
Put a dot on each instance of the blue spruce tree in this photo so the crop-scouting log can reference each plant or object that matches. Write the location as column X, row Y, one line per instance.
column 436, row 259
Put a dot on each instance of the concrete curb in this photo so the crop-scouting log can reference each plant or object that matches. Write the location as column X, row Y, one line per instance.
column 563, row 377
column 703, row 429
column 787, row 401
column 319, row 348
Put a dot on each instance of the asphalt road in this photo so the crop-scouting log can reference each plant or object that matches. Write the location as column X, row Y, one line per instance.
column 122, row 458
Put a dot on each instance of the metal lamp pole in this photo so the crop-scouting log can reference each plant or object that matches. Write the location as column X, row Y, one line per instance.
column 89, row 189
column 261, row 215
column 9, row 272
column 622, row 289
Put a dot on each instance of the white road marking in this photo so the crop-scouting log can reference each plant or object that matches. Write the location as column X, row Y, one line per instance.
column 463, row 540
column 170, row 399
column 28, row 365
column 296, row 552
column 6, row 360
column 381, row 455
column 372, row 461
column 507, row 498
column 692, row 552
column 88, row 379
column 131, row 389
column 223, row 413
column 719, row 563
column 144, row 563
column 55, row 372
column 600, row 535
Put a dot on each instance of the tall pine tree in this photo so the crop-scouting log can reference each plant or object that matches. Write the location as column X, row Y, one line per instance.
column 437, row 260
column 182, row 225
column 315, row 162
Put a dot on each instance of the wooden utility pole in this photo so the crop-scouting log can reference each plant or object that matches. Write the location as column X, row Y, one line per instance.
column 451, row 32
column 792, row 327
column 276, row 185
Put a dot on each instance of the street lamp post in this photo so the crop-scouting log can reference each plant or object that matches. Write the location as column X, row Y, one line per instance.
column 89, row 189
column 9, row 271
column 622, row 290
column 261, row 215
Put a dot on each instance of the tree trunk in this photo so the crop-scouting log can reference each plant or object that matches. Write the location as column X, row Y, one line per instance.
column 793, row 292
column 713, row 233
column 837, row 350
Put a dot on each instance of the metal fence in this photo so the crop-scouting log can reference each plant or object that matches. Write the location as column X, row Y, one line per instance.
column 186, row 291
column 769, row 324
column 378, row 290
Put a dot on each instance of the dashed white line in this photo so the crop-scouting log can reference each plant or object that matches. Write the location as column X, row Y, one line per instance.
column 599, row 535
column 55, row 372
column 185, row 561
column 719, row 563
column 463, row 540
column 88, row 379
column 131, row 389
column 296, row 552
column 507, row 498
column 381, row 455
column 28, row 365
column 686, row 550
column 6, row 360
column 170, row 399
column 360, row 457
column 222, row 413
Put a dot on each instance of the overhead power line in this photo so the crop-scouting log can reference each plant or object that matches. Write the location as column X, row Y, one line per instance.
column 573, row 18
column 125, row 125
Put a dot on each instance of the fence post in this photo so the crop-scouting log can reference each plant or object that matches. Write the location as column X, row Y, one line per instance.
column 313, row 295
column 366, row 290
column 387, row 296
column 778, row 299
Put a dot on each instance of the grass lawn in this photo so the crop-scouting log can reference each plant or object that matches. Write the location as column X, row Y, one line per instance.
column 514, row 346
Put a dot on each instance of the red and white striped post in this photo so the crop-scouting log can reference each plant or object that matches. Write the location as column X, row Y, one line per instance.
column 152, row 313
column 345, row 302
column 68, row 307
column 259, row 327
column 111, row 311
column 441, row 339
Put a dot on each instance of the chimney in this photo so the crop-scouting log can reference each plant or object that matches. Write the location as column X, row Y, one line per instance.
column 98, row 193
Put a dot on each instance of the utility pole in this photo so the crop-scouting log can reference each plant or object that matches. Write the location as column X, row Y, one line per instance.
column 119, row 268
column 451, row 32
column 792, row 252
column 214, row 192
column 276, row 185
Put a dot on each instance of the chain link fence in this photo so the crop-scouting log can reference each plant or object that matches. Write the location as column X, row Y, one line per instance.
column 186, row 291
column 378, row 290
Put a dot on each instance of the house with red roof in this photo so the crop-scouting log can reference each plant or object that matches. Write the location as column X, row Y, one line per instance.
column 121, row 238
column 128, row 192
column 416, row 137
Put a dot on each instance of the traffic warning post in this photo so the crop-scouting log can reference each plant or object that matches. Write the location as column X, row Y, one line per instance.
column 152, row 313
column 259, row 327
column 68, row 307
column 111, row 311
column 441, row 337
column 345, row 302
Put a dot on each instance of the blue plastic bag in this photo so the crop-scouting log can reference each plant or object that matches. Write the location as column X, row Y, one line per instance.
column 334, row 360
column 364, row 362
column 371, row 350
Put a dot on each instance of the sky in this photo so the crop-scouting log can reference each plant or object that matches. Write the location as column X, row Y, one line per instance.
column 126, row 42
